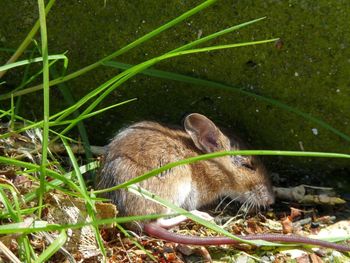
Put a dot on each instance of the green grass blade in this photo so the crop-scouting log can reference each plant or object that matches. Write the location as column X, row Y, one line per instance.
column 13, row 114
column 24, row 212
column 59, row 181
column 68, row 97
column 34, row 60
column 52, row 174
column 83, row 117
column 34, row 77
column 45, row 142
column 53, row 248
column 213, row 48
column 90, row 205
column 112, row 84
column 208, row 83
column 215, row 35
column 22, row 227
column 192, row 44
column 8, row 206
column 77, row 173
column 220, row 154
column 63, row 114
column 120, row 76
column 122, row 50
column 27, row 40
column 6, row 113
column 18, row 163
column 31, row 125
column 26, row 251
column 37, row 226
column 146, row 194
column 140, row 40
column 15, row 213
column 25, row 77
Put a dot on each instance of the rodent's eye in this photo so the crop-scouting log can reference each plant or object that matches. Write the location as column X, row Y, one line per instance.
column 248, row 165
column 242, row 161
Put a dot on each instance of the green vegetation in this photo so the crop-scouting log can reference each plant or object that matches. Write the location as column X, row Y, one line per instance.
column 23, row 213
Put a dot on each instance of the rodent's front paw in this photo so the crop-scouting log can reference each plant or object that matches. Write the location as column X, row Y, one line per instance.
column 203, row 215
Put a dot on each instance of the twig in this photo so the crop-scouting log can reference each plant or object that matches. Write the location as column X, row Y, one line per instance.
column 299, row 194
column 8, row 253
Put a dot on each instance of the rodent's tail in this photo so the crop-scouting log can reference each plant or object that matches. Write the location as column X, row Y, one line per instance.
column 157, row 231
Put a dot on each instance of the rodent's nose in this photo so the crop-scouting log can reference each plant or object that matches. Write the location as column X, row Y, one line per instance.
column 265, row 196
column 270, row 200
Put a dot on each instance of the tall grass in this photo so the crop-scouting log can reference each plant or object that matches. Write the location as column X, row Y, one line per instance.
column 21, row 220
column 46, row 95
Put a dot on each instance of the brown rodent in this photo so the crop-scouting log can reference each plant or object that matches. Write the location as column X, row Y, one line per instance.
column 146, row 145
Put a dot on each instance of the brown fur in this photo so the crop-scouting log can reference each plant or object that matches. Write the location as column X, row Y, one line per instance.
column 147, row 145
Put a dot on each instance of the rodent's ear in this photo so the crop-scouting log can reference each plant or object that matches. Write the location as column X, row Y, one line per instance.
column 204, row 133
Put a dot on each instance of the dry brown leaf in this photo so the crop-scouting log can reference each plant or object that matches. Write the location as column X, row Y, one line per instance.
column 287, row 225
column 315, row 259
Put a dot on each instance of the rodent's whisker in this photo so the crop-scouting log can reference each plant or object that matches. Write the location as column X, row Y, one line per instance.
column 220, row 203
column 231, row 201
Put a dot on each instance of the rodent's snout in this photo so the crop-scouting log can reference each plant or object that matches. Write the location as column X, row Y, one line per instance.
column 262, row 195
column 271, row 199
column 268, row 196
